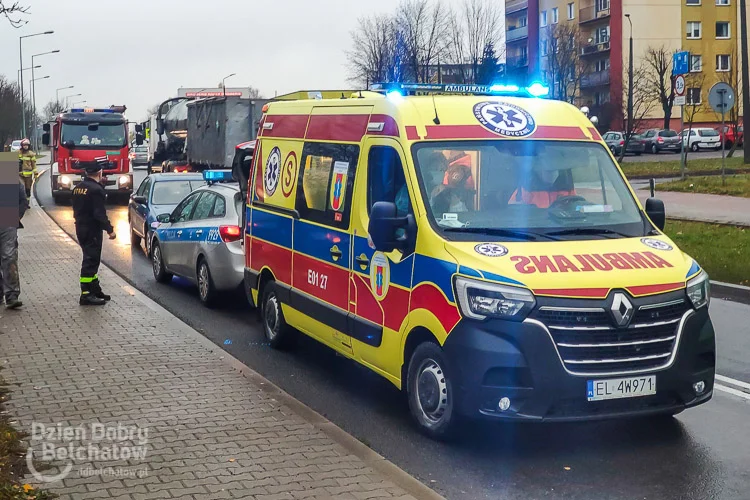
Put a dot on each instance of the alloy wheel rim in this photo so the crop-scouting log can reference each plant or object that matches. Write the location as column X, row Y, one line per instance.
column 203, row 280
column 157, row 260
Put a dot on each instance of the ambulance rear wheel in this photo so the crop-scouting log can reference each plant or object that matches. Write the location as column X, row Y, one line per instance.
column 278, row 334
column 430, row 392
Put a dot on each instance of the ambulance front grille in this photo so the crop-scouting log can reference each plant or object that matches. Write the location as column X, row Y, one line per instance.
column 589, row 341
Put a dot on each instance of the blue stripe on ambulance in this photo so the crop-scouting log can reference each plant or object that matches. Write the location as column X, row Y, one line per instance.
column 273, row 228
column 400, row 273
column 435, row 271
column 317, row 241
column 694, row 269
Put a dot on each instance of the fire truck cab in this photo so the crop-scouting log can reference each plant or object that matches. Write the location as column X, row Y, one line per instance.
column 81, row 136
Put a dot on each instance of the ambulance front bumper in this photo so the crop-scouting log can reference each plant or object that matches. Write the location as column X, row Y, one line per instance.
column 493, row 360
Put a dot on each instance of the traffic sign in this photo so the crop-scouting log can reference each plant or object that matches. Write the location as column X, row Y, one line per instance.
column 679, row 85
column 680, row 100
column 681, row 63
column 721, row 97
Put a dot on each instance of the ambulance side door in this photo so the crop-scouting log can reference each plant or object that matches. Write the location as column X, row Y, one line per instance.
column 322, row 241
column 380, row 282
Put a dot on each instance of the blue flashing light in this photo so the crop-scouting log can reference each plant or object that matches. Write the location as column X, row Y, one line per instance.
column 92, row 110
column 504, row 88
column 536, row 89
column 212, row 176
column 394, row 95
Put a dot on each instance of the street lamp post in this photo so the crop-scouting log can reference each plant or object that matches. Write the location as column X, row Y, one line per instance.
column 25, row 69
column 20, row 57
column 745, row 75
column 57, row 92
column 630, row 81
column 32, row 84
column 224, row 84
column 33, row 90
column 68, row 97
column 78, row 102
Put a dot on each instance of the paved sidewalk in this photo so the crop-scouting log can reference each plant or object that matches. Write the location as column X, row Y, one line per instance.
column 215, row 429
column 703, row 207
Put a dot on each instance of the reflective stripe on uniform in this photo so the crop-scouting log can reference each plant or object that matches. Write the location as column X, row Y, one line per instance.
column 87, row 280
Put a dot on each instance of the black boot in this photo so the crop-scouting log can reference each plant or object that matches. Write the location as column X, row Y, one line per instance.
column 88, row 297
column 96, row 289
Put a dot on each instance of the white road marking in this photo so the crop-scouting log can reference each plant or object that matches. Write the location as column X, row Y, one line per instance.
column 734, row 392
column 732, row 381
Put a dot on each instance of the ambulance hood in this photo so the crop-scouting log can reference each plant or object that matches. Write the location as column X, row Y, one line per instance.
column 582, row 269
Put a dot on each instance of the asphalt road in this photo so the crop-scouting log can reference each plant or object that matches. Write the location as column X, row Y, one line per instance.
column 700, row 454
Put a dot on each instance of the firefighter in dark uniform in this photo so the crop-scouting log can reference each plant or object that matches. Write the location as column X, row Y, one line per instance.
column 91, row 219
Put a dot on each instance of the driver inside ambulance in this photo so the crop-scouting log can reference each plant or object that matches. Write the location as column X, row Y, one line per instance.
column 543, row 187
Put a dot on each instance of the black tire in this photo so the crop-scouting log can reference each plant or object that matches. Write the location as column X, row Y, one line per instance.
column 654, row 149
column 157, row 265
column 429, row 390
column 278, row 334
column 206, row 288
column 694, row 148
column 728, row 145
column 135, row 240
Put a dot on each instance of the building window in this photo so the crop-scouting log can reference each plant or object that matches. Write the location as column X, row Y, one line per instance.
column 722, row 2
column 693, row 29
column 722, row 29
column 694, row 2
column 545, row 49
column 571, row 10
column 602, row 35
column 693, row 96
column 722, row 62
column 602, row 65
column 602, row 5
column 543, row 18
column 523, row 21
column 555, row 16
column 696, row 63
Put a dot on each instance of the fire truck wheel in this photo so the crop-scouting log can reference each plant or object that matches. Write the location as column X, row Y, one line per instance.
column 157, row 264
column 278, row 334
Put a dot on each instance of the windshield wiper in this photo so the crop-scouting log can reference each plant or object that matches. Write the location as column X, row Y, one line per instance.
column 508, row 233
column 589, row 230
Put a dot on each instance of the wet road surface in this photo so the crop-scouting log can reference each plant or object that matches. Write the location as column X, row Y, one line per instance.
column 703, row 453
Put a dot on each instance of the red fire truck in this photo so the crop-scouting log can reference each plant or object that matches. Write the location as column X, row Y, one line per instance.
column 81, row 136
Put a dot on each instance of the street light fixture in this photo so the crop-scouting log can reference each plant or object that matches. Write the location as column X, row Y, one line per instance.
column 26, row 69
column 20, row 57
column 32, row 84
column 78, row 102
column 57, row 92
column 224, row 84
column 68, row 97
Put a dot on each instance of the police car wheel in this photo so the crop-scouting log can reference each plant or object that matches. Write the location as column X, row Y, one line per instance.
column 430, row 392
column 206, row 288
column 277, row 332
column 157, row 264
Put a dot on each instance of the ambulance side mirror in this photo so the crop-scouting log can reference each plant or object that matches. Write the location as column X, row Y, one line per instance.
column 389, row 232
column 656, row 212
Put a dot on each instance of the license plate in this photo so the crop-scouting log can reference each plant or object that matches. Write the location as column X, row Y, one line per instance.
column 618, row 388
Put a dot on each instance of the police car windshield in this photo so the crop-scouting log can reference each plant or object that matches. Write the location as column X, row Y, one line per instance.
column 548, row 187
column 172, row 192
column 105, row 135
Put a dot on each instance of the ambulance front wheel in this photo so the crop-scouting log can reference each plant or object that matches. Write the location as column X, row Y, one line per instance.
column 430, row 392
column 278, row 333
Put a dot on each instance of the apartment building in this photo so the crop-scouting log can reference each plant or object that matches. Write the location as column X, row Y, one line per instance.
column 709, row 29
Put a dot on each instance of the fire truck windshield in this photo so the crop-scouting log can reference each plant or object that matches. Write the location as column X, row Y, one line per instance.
column 105, row 135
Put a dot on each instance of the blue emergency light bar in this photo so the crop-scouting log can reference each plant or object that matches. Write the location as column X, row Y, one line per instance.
column 392, row 90
column 213, row 176
column 92, row 110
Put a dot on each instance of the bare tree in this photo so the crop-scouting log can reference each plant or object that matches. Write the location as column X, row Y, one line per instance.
column 424, row 28
column 659, row 64
column 372, row 56
column 254, row 93
column 51, row 109
column 474, row 27
column 733, row 78
column 693, row 81
column 14, row 13
column 565, row 68
column 10, row 110
column 643, row 104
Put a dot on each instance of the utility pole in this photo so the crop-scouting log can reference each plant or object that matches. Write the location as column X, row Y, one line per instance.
column 629, row 130
column 745, row 75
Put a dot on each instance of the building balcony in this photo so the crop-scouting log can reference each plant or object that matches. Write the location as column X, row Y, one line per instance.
column 518, row 61
column 516, row 33
column 591, row 14
column 513, row 6
column 595, row 48
column 597, row 79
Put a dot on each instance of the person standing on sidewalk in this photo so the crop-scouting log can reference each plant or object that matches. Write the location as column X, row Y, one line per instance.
column 90, row 214
column 27, row 166
column 10, row 284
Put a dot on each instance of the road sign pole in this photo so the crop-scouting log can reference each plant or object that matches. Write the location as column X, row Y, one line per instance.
column 682, row 143
column 723, row 157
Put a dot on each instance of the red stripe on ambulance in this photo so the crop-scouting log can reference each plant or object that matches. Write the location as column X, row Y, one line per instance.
column 428, row 296
column 324, row 281
column 278, row 259
column 292, row 126
column 339, row 128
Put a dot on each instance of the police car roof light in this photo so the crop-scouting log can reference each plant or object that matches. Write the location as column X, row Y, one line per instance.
column 92, row 110
column 211, row 176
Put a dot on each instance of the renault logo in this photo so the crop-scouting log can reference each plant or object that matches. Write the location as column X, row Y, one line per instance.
column 622, row 309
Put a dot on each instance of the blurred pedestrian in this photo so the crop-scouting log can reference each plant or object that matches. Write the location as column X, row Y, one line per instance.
column 27, row 166
column 10, row 284
column 90, row 214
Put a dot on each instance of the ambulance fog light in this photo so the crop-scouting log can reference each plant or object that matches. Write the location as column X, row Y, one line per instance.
column 699, row 387
column 504, row 404
column 482, row 300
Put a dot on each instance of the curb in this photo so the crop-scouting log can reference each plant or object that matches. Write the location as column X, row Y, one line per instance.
column 738, row 225
column 370, row 457
column 729, row 291
column 697, row 173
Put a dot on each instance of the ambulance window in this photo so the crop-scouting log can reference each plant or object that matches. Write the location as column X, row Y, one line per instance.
column 386, row 179
column 327, row 181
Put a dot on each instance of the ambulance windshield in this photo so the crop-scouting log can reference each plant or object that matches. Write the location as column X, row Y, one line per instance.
column 569, row 190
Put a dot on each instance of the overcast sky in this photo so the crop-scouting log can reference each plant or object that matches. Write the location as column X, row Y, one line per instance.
column 138, row 52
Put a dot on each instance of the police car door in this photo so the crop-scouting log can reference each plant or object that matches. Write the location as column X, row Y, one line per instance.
column 381, row 282
column 197, row 231
column 175, row 239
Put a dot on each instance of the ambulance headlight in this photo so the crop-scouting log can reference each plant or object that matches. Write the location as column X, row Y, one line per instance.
column 699, row 290
column 481, row 300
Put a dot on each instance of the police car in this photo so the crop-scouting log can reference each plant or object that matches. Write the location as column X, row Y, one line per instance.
column 201, row 240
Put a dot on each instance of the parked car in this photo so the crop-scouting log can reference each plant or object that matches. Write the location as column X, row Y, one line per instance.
column 201, row 239
column 15, row 145
column 139, row 156
column 701, row 138
column 729, row 136
column 616, row 141
column 157, row 194
column 658, row 140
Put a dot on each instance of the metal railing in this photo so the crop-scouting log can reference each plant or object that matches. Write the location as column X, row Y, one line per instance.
column 516, row 33
column 595, row 48
column 595, row 79
column 587, row 14
column 512, row 6
column 517, row 61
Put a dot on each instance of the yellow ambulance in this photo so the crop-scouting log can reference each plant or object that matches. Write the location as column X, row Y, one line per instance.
column 480, row 248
